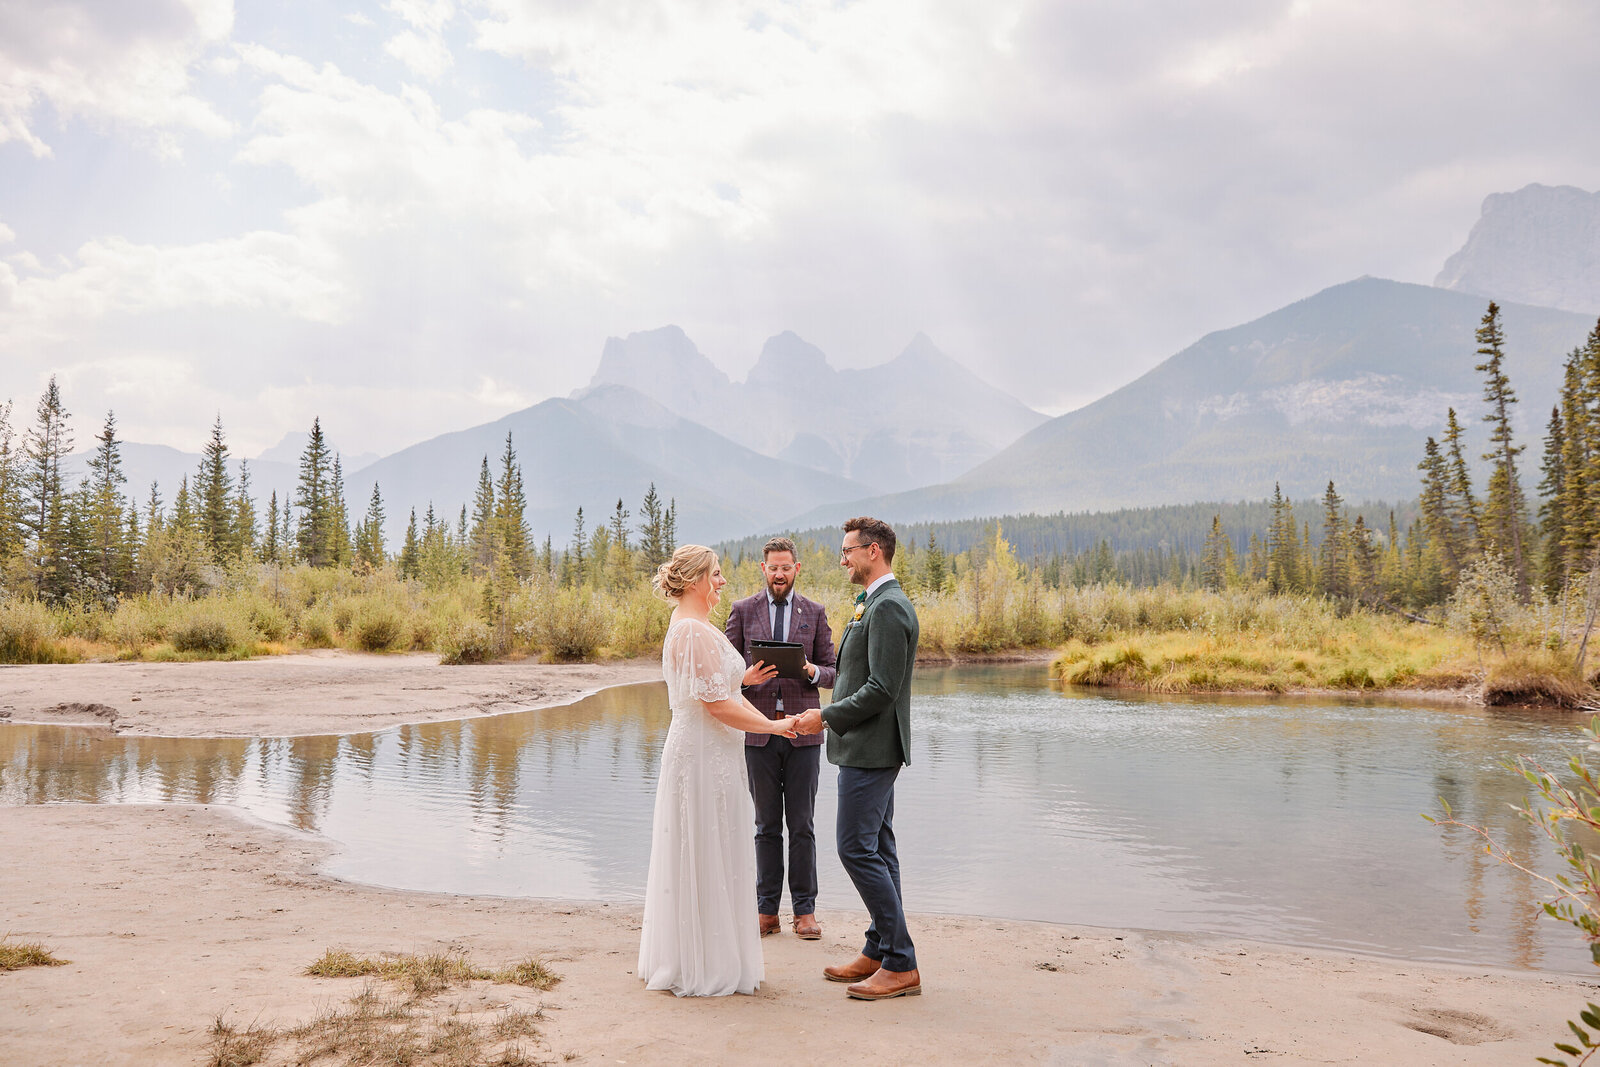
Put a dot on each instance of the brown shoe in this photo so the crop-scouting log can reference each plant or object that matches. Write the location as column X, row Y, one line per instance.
column 857, row 969
column 885, row 983
column 806, row 928
column 769, row 924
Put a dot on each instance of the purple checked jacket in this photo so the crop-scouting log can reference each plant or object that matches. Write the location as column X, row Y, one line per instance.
column 750, row 621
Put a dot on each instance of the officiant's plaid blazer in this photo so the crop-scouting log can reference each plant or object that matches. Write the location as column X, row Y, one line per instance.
column 750, row 621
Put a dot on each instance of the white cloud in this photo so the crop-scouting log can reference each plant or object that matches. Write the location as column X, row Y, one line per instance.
column 128, row 65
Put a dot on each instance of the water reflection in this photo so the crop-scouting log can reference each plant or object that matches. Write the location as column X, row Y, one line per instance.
column 1283, row 821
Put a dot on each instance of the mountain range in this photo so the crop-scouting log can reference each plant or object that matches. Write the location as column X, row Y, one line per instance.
column 1343, row 385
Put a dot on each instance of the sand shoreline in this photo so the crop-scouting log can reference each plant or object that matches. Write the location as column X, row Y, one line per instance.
column 297, row 695
column 152, row 969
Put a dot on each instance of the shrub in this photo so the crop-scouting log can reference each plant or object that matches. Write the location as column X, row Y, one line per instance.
column 28, row 634
column 379, row 627
column 269, row 620
column 571, row 624
column 466, row 641
column 316, row 629
column 204, row 631
column 138, row 623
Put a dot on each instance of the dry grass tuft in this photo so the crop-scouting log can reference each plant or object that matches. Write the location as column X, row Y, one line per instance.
column 430, row 974
column 15, row 956
column 233, row 1048
column 1534, row 676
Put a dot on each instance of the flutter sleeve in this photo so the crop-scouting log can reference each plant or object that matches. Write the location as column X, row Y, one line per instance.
column 694, row 655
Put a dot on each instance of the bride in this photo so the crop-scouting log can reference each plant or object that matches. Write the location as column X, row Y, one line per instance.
column 700, row 934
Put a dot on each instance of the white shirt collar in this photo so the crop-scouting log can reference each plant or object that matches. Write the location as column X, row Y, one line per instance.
column 885, row 578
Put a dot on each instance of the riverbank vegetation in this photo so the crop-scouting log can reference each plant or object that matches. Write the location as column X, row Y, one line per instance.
column 1462, row 587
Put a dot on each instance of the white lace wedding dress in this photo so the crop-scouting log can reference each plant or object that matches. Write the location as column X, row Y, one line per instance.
column 700, row 934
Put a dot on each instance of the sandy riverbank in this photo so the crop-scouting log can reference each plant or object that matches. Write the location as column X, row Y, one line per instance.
column 306, row 693
column 152, row 968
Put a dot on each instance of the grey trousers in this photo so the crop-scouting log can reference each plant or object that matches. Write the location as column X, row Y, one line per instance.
column 783, row 784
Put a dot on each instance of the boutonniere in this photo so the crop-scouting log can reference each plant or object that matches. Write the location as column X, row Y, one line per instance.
column 861, row 609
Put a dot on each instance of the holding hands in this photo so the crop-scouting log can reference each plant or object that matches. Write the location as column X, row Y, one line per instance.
column 784, row 727
column 809, row 722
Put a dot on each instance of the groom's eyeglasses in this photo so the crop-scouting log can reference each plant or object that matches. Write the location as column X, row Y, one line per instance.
column 844, row 552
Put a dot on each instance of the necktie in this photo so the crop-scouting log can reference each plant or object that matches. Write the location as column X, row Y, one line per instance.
column 779, row 630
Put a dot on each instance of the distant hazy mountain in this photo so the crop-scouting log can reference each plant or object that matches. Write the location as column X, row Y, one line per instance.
column 293, row 445
column 167, row 467
column 919, row 419
column 1539, row 245
column 1346, row 385
column 611, row 442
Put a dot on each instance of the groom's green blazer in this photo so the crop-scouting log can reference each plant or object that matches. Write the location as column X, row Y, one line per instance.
column 869, row 721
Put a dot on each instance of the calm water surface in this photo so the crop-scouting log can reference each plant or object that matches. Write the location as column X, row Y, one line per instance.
column 1283, row 821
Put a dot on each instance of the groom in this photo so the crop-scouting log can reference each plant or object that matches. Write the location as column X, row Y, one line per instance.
column 869, row 739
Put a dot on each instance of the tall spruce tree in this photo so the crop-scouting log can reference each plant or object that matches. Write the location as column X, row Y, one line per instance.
column 1283, row 546
column 511, row 513
column 369, row 545
column 1333, row 565
column 1216, row 559
column 1460, row 503
column 11, row 503
column 485, row 534
column 106, row 561
column 271, row 544
column 244, row 515
column 410, row 550
column 213, row 490
column 573, row 566
column 314, row 539
column 653, row 545
column 1552, row 516
column 45, row 517
column 1505, row 508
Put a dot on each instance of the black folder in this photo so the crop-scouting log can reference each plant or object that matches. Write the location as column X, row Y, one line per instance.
column 787, row 656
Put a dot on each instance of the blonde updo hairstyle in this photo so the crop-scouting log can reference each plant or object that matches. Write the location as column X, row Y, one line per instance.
column 688, row 565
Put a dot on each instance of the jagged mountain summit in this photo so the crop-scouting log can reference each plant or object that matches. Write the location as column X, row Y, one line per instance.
column 1539, row 245
column 919, row 419
column 611, row 443
column 1344, row 385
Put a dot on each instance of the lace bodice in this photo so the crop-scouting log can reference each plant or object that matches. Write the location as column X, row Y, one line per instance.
column 699, row 664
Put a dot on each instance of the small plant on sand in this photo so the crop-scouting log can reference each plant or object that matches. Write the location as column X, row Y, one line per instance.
column 1576, row 898
column 14, row 956
column 413, row 1027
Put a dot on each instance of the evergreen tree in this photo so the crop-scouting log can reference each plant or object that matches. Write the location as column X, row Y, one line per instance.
column 12, row 532
column 244, row 515
column 511, row 506
column 572, row 567
column 1362, row 556
column 340, row 548
column 1216, row 561
column 183, row 517
column 1460, row 505
column 271, row 545
column 1504, row 511
column 619, row 564
column 105, row 564
column 1333, row 572
column 410, row 550
column 213, row 498
column 45, row 518
column 1437, row 517
column 1283, row 546
column 933, row 566
column 485, row 536
column 315, row 543
column 670, row 526
column 1552, row 515
column 653, row 543
column 369, row 546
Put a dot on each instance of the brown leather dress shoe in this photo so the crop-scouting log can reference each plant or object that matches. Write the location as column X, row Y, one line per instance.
column 769, row 924
column 806, row 928
column 857, row 969
column 885, row 983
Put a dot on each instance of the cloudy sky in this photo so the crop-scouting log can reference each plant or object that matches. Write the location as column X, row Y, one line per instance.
column 417, row 215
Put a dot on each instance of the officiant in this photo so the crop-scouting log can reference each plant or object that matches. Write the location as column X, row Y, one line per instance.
column 783, row 771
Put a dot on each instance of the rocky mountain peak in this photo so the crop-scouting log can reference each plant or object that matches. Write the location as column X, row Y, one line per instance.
column 788, row 357
column 1539, row 245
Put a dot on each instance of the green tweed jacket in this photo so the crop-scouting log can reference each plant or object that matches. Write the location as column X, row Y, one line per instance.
column 869, row 721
